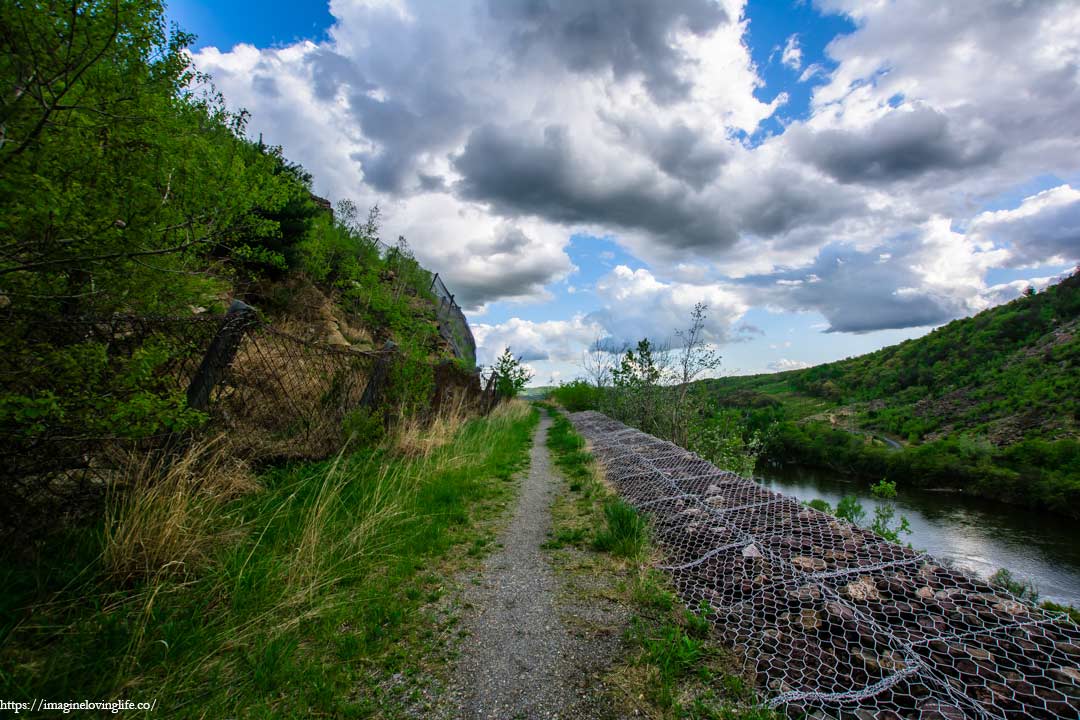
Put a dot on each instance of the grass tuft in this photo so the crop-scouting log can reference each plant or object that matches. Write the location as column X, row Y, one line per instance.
column 163, row 519
column 625, row 533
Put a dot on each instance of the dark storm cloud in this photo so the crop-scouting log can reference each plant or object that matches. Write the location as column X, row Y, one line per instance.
column 414, row 113
column 518, row 174
column 627, row 37
column 899, row 146
column 509, row 241
column 856, row 293
column 523, row 269
column 331, row 71
column 784, row 201
column 402, row 131
column 431, row 183
column 683, row 153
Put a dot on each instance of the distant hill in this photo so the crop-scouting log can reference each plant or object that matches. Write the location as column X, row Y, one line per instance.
column 990, row 403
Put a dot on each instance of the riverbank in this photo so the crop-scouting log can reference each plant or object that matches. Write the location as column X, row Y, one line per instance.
column 973, row 534
column 1035, row 474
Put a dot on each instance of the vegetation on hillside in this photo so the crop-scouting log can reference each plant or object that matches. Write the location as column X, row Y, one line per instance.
column 989, row 404
column 127, row 188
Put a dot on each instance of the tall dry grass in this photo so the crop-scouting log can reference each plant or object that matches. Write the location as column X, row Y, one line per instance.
column 417, row 437
column 163, row 516
column 222, row 602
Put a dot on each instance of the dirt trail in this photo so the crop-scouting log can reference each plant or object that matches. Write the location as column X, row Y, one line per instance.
column 519, row 659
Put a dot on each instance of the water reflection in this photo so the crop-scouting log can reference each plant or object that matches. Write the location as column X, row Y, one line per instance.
column 973, row 534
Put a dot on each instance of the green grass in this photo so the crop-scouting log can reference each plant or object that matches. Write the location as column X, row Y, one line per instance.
column 625, row 532
column 314, row 593
column 674, row 667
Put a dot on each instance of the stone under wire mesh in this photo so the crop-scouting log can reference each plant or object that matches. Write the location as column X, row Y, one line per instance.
column 831, row 620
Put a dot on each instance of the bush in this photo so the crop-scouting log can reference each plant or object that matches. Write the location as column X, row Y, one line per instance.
column 511, row 375
column 578, row 395
column 819, row 504
column 364, row 428
column 1022, row 589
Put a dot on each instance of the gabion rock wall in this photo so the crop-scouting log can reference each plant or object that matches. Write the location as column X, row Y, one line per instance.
column 832, row 620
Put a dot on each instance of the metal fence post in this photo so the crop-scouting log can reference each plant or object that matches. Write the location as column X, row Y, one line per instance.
column 375, row 384
column 489, row 392
column 220, row 354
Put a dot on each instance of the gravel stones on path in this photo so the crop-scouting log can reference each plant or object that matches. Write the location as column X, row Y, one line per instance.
column 519, row 659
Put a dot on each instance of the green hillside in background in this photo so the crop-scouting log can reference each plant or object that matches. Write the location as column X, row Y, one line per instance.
column 989, row 404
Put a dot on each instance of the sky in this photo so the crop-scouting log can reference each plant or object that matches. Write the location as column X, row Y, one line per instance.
column 827, row 176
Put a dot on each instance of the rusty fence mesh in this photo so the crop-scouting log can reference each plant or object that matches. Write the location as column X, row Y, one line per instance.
column 831, row 620
column 81, row 395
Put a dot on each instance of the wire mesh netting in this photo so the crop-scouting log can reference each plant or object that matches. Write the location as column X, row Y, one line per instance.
column 83, row 395
column 289, row 398
column 453, row 327
column 831, row 620
column 452, row 323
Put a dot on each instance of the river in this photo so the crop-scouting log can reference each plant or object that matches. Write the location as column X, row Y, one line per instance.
column 977, row 535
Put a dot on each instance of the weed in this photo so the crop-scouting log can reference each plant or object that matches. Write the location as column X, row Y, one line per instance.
column 625, row 533
column 673, row 651
column 566, row 537
column 648, row 591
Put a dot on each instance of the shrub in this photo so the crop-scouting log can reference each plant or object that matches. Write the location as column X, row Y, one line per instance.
column 512, row 375
column 1022, row 589
column 578, row 395
column 850, row 509
column 363, row 428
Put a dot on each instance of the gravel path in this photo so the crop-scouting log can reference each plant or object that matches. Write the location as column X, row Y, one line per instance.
column 519, row 660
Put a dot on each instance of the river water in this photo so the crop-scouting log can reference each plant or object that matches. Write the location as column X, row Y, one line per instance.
column 977, row 535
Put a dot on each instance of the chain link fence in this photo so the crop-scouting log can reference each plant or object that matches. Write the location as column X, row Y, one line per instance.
column 82, row 395
column 452, row 323
column 453, row 327
column 831, row 620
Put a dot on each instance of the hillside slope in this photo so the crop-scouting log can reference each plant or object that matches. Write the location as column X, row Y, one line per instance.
column 989, row 403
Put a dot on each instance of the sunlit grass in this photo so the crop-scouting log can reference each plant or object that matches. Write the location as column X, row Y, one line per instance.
column 298, row 592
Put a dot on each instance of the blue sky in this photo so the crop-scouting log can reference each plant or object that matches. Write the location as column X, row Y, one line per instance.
column 263, row 23
column 829, row 176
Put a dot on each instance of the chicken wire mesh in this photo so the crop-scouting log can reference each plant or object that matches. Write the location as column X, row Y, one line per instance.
column 831, row 620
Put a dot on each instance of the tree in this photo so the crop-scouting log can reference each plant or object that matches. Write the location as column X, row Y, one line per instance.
column 123, row 185
column 598, row 361
column 635, row 397
column 511, row 374
column 695, row 358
